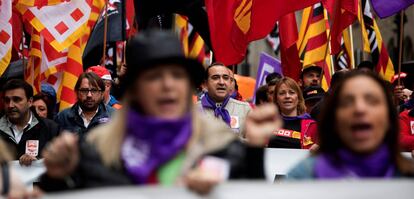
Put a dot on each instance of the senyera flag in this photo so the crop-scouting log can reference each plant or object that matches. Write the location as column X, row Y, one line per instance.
column 386, row 8
column 235, row 23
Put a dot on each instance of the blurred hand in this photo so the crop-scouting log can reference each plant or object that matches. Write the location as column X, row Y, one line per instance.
column 122, row 70
column 18, row 189
column 314, row 149
column 26, row 160
column 261, row 122
column 201, row 181
column 61, row 156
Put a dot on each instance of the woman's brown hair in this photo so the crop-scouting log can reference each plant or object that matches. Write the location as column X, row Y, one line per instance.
column 289, row 82
column 329, row 139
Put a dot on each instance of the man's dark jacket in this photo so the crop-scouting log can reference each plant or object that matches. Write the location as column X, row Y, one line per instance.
column 70, row 120
column 43, row 130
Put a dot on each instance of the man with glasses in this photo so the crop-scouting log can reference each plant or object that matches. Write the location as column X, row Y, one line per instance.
column 89, row 111
column 217, row 102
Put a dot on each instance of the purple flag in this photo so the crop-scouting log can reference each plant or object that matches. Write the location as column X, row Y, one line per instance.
column 267, row 65
column 386, row 8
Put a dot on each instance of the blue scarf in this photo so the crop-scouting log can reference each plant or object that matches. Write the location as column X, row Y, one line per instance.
column 376, row 165
column 207, row 102
column 151, row 142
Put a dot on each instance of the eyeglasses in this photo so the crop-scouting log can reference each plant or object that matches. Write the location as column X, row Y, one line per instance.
column 226, row 78
column 86, row 91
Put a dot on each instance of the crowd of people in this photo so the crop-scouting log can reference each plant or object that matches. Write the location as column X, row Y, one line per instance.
column 158, row 134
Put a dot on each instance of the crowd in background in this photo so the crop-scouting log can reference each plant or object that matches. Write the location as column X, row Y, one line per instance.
column 156, row 133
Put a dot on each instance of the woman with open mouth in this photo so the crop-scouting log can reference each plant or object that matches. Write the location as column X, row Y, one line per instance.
column 299, row 129
column 358, row 134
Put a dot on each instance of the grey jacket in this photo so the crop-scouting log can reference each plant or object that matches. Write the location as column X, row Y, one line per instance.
column 238, row 111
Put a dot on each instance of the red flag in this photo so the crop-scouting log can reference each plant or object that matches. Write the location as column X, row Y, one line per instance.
column 289, row 51
column 235, row 23
column 343, row 16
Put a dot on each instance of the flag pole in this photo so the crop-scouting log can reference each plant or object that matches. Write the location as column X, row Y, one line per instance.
column 22, row 43
column 105, row 33
column 351, row 37
column 336, row 5
column 400, row 51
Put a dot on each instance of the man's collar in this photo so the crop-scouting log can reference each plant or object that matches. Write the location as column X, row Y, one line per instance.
column 80, row 111
column 32, row 122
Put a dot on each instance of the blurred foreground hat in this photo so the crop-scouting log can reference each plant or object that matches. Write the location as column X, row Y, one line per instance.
column 101, row 71
column 154, row 47
column 313, row 93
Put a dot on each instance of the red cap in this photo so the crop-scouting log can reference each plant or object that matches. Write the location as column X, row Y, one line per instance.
column 101, row 71
column 395, row 77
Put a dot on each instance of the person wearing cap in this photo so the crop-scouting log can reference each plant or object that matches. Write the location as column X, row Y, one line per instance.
column 217, row 102
column 310, row 76
column 158, row 137
column 312, row 95
column 89, row 111
column 106, row 77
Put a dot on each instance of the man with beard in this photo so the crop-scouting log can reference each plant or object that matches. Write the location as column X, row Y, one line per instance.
column 24, row 131
column 217, row 101
column 89, row 111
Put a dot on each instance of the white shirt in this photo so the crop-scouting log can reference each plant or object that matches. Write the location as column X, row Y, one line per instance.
column 17, row 133
column 86, row 122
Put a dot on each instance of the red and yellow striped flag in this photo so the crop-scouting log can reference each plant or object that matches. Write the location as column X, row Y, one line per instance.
column 54, row 62
column 39, row 3
column 6, row 34
column 193, row 44
column 373, row 42
column 313, row 41
column 61, row 23
column 345, row 57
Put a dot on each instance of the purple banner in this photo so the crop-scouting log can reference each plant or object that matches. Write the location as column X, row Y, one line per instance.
column 386, row 8
column 267, row 65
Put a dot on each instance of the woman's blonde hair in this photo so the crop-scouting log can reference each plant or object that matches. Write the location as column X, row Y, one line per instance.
column 289, row 82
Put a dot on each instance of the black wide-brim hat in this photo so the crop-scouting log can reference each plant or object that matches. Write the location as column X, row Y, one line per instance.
column 150, row 48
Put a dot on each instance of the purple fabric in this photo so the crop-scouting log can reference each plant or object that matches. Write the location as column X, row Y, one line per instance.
column 151, row 142
column 386, row 8
column 304, row 116
column 376, row 165
column 207, row 102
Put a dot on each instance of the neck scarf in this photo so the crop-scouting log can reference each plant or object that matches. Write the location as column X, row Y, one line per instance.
column 207, row 102
column 300, row 117
column 151, row 142
column 375, row 165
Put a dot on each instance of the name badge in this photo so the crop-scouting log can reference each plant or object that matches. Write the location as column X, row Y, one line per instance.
column 287, row 133
column 235, row 122
column 412, row 127
column 32, row 147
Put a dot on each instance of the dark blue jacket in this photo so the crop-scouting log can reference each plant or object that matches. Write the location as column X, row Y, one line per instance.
column 70, row 120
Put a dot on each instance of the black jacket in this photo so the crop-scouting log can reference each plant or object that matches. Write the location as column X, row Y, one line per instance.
column 70, row 120
column 44, row 130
